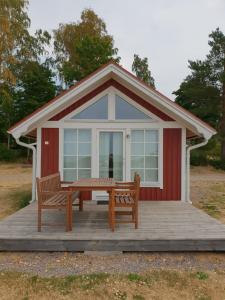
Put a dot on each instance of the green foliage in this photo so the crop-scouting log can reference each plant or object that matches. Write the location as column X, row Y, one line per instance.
column 18, row 50
column 202, row 275
column 203, row 91
column 82, row 47
column 35, row 87
column 138, row 297
column 134, row 277
column 9, row 155
column 218, row 163
column 141, row 68
column 21, row 198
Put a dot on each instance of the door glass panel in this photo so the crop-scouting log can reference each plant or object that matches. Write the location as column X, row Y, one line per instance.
column 111, row 155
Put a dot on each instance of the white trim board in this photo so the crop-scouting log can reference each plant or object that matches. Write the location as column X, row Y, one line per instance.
column 113, row 71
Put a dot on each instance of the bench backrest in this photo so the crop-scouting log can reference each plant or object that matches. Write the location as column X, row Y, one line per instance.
column 47, row 186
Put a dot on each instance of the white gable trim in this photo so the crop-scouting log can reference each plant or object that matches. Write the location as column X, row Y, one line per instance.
column 111, row 70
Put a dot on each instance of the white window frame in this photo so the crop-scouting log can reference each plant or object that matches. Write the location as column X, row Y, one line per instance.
column 77, row 152
column 159, row 155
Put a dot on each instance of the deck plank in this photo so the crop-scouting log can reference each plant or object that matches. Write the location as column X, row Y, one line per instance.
column 164, row 226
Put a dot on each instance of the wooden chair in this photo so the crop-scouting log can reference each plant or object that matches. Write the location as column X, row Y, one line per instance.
column 125, row 196
column 51, row 195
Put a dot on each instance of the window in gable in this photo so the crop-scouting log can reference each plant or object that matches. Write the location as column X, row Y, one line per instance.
column 97, row 110
column 126, row 111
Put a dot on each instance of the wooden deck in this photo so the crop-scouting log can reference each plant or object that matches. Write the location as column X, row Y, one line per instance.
column 164, row 226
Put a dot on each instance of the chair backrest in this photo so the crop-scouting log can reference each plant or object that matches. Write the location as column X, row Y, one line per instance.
column 48, row 185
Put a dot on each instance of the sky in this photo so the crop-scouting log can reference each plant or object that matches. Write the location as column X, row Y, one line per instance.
column 167, row 32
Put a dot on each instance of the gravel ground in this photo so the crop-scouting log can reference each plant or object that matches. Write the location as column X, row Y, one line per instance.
column 63, row 264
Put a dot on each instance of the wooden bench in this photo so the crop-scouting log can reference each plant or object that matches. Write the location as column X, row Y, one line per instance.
column 51, row 195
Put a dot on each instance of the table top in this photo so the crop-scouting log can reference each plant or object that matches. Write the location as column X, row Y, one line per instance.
column 94, row 183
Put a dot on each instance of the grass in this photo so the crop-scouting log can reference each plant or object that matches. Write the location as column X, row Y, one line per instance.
column 213, row 203
column 168, row 284
column 22, row 198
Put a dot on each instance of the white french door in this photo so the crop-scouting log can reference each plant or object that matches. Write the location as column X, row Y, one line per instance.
column 110, row 157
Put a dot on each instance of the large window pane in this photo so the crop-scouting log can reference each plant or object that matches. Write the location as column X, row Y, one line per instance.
column 151, row 149
column 84, row 174
column 98, row 110
column 151, row 136
column 137, row 149
column 84, row 149
column 137, row 136
column 70, row 161
column 70, row 174
column 151, row 175
column 70, row 149
column 151, row 162
column 137, row 162
column 84, row 162
column 70, row 135
column 84, row 135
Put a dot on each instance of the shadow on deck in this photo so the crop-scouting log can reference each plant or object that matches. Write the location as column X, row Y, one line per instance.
column 164, row 226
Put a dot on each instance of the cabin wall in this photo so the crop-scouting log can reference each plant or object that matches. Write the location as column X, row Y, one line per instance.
column 172, row 163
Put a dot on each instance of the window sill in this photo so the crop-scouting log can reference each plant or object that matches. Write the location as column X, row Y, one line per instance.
column 152, row 185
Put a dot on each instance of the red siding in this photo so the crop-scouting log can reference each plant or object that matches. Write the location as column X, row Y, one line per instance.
column 49, row 151
column 172, row 151
column 123, row 89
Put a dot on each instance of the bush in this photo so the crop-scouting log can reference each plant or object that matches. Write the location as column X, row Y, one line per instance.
column 217, row 163
column 9, row 155
column 199, row 158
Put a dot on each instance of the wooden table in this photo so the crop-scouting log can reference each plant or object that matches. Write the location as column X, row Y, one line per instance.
column 93, row 184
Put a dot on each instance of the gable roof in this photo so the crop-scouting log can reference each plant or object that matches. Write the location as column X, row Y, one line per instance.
column 104, row 73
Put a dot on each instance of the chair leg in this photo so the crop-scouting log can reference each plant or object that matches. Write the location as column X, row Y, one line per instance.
column 71, row 217
column 136, row 216
column 81, row 204
column 68, row 218
column 113, row 219
column 39, row 219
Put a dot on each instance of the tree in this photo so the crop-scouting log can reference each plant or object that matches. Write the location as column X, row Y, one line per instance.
column 203, row 92
column 141, row 68
column 35, row 87
column 83, row 47
column 17, row 47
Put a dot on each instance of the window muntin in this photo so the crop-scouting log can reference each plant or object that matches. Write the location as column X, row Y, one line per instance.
column 77, row 154
column 145, row 154
column 97, row 110
column 126, row 111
